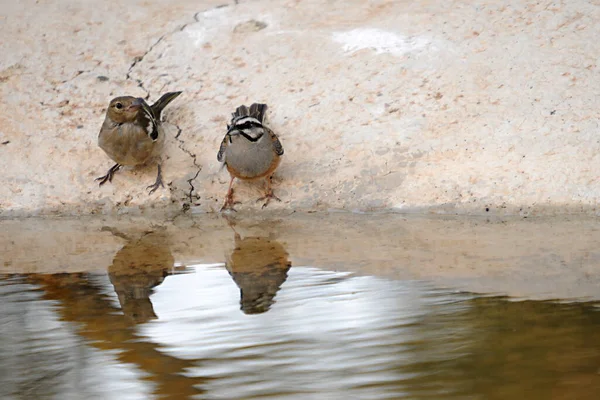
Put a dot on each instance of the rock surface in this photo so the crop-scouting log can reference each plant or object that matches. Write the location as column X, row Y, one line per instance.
column 461, row 106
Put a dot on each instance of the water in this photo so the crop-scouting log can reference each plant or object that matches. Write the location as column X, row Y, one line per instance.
column 260, row 324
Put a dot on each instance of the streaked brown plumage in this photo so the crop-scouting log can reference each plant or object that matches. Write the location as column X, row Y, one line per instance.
column 250, row 150
column 132, row 134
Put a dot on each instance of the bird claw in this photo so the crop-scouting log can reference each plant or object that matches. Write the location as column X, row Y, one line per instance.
column 228, row 205
column 155, row 186
column 268, row 198
column 109, row 175
column 103, row 179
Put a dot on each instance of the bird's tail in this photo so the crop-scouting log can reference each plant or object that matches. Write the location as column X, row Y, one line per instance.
column 258, row 111
column 241, row 111
column 161, row 103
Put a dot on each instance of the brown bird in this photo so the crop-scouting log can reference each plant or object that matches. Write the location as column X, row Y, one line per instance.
column 132, row 134
column 250, row 150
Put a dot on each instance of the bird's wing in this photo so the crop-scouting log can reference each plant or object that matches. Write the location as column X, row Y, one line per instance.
column 147, row 120
column 221, row 152
column 276, row 143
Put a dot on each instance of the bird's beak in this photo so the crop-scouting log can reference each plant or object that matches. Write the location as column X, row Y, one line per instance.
column 135, row 105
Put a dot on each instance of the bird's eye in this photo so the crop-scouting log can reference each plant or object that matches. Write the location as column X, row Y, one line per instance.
column 119, row 106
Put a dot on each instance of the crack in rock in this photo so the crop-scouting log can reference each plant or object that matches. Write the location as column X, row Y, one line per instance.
column 139, row 59
column 197, row 15
column 181, row 143
column 190, row 181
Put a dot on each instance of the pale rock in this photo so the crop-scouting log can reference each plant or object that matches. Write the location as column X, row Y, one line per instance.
column 411, row 106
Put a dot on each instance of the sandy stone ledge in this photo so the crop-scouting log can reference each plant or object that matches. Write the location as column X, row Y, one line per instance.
column 467, row 107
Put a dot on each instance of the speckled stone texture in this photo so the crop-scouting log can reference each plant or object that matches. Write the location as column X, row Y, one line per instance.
column 455, row 106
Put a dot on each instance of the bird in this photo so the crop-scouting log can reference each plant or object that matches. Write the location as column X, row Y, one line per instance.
column 250, row 150
column 259, row 266
column 137, row 268
column 132, row 134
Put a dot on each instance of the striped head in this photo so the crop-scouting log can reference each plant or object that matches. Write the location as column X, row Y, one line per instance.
column 249, row 127
column 248, row 122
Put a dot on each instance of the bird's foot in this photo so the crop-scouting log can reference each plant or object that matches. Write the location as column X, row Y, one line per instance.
column 267, row 198
column 229, row 203
column 156, row 184
column 103, row 179
column 109, row 175
column 228, row 206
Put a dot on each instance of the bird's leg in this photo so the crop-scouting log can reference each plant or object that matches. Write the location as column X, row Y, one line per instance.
column 109, row 174
column 229, row 203
column 268, row 193
column 231, row 224
column 158, row 182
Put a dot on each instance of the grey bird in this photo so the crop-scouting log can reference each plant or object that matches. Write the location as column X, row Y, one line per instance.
column 250, row 150
column 132, row 134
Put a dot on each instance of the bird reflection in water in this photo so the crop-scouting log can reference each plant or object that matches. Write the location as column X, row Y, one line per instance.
column 258, row 266
column 137, row 268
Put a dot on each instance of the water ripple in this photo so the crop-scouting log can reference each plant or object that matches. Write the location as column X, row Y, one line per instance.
column 317, row 335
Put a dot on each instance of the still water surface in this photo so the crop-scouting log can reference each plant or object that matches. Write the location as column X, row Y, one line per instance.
column 284, row 332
